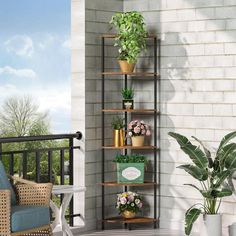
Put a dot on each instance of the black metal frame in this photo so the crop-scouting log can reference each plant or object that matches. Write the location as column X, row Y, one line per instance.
column 49, row 151
column 156, row 79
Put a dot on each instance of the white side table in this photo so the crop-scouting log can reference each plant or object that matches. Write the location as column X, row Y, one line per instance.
column 60, row 221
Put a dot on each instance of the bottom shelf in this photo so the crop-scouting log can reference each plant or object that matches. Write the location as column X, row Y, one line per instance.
column 130, row 221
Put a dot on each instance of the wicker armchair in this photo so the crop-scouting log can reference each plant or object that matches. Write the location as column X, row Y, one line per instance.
column 29, row 194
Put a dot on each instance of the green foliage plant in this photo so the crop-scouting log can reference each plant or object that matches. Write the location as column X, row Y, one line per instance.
column 117, row 123
column 127, row 93
column 133, row 158
column 212, row 172
column 131, row 35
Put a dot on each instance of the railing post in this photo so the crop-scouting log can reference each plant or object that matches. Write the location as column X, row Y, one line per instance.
column 71, row 180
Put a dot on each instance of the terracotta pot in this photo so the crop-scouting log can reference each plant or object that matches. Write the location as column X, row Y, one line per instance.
column 126, row 67
column 128, row 214
column 137, row 141
column 118, row 137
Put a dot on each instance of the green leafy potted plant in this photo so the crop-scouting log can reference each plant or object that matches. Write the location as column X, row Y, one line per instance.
column 129, row 203
column 130, row 168
column 128, row 95
column 212, row 173
column 131, row 38
column 118, row 132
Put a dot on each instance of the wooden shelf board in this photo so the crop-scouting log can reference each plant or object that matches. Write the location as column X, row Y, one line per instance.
column 129, row 221
column 130, row 110
column 130, row 147
column 144, row 74
column 111, row 36
column 112, row 184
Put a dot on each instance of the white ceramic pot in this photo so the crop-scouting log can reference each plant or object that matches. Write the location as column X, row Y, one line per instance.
column 213, row 224
column 232, row 229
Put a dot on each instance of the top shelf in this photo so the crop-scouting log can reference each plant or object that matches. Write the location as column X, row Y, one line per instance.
column 112, row 36
column 134, row 74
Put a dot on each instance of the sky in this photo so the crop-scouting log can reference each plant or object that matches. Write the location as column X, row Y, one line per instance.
column 35, row 55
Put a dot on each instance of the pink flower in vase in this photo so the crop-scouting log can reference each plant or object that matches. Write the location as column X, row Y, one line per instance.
column 136, row 130
column 130, row 126
column 143, row 132
column 123, row 200
column 148, row 132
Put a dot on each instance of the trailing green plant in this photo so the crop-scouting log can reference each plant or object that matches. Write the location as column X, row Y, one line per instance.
column 131, row 35
column 127, row 93
column 211, row 172
column 133, row 158
column 117, row 123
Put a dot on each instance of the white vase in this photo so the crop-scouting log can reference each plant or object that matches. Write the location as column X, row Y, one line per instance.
column 232, row 229
column 213, row 224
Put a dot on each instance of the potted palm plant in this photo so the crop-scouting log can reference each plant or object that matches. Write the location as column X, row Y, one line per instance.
column 131, row 38
column 212, row 173
column 130, row 168
column 118, row 132
column 128, row 95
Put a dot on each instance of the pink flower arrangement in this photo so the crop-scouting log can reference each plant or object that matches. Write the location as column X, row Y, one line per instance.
column 129, row 201
column 138, row 128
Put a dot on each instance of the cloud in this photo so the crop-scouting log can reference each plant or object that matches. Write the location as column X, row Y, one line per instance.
column 67, row 44
column 46, row 40
column 26, row 73
column 56, row 100
column 21, row 45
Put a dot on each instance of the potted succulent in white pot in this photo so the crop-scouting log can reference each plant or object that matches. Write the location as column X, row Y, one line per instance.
column 212, row 173
column 128, row 95
column 131, row 38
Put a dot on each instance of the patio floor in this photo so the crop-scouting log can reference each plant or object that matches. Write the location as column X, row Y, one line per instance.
column 160, row 232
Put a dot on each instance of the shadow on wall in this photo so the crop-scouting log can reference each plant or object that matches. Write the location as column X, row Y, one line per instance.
column 172, row 70
column 174, row 76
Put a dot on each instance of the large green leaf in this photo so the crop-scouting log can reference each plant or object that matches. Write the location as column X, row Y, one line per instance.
column 182, row 140
column 230, row 161
column 196, row 172
column 207, row 193
column 221, row 177
column 196, row 155
column 216, row 193
column 224, row 193
column 226, row 139
column 190, row 217
column 207, row 152
column 225, row 151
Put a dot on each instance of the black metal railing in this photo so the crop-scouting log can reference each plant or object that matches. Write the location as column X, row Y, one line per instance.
column 45, row 158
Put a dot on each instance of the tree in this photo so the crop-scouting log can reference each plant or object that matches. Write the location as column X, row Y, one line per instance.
column 20, row 116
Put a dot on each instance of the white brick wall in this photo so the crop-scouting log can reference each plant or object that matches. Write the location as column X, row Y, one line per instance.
column 198, row 88
column 198, row 67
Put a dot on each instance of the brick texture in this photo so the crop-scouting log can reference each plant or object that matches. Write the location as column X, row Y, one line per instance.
column 198, row 83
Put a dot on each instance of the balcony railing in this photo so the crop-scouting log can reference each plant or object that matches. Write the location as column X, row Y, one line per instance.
column 45, row 158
